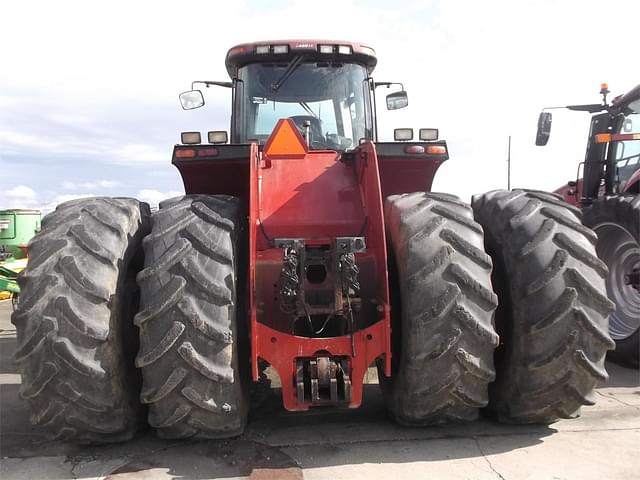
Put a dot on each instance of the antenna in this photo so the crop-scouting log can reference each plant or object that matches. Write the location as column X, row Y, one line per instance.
column 509, row 165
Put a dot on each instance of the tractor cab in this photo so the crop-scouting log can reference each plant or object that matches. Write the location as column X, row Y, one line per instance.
column 612, row 159
column 325, row 88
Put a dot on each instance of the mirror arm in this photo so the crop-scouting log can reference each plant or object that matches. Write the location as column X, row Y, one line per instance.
column 387, row 84
column 208, row 83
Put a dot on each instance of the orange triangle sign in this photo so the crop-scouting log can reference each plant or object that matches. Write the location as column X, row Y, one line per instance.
column 285, row 140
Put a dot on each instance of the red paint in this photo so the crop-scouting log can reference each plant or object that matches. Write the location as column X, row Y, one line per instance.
column 569, row 193
column 311, row 197
column 402, row 171
column 282, row 352
column 372, row 194
column 633, row 184
column 317, row 198
column 406, row 174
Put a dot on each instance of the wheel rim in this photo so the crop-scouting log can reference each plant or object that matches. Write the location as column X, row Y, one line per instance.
column 621, row 252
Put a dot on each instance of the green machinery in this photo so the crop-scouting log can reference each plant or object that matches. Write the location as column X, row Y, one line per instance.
column 17, row 227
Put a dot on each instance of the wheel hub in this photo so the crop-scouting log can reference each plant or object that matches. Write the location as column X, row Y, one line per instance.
column 621, row 252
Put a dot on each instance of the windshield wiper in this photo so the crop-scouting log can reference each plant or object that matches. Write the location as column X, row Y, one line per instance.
column 293, row 65
column 307, row 109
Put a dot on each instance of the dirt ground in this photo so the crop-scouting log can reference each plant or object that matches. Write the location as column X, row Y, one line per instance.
column 603, row 443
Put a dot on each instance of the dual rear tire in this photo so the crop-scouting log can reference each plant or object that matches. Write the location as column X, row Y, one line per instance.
column 80, row 301
column 551, row 317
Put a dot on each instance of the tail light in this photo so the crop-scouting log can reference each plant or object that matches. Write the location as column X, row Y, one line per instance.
column 185, row 153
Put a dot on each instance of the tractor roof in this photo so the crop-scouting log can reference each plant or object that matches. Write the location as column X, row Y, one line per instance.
column 284, row 50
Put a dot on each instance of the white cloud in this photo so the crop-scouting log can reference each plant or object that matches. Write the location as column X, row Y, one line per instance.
column 139, row 153
column 154, row 197
column 11, row 138
column 20, row 196
column 68, row 118
column 21, row 191
column 69, row 185
column 108, row 183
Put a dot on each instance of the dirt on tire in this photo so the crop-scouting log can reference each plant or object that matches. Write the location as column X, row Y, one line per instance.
column 74, row 321
column 442, row 310
column 189, row 332
column 553, row 312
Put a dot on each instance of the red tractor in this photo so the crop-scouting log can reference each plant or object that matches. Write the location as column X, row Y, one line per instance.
column 609, row 195
column 308, row 245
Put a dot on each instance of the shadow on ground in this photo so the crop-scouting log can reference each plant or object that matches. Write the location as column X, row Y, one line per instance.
column 7, row 347
column 276, row 443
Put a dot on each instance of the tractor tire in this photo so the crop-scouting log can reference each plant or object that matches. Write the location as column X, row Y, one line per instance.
column 190, row 326
column 552, row 318
column 616, row 221
column 74, row 322
column 443, row 307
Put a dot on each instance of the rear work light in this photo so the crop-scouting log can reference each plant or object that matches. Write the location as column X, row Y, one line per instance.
column 344, row 49
column 262, row 49
column 279, row 49
column 190, row 138
column 326, row 48
column 403, row 134
column 217, row 136
column 427, row 134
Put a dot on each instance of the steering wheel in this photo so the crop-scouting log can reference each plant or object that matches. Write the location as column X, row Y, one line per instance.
column 315, row 129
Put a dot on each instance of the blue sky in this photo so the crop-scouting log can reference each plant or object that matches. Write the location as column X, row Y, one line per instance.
column 88, row 91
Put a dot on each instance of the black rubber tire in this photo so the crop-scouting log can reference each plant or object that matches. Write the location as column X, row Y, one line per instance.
column 622, row 210
column 442, row 311
column 74, row 321
column 190, row 334
column 553, row 313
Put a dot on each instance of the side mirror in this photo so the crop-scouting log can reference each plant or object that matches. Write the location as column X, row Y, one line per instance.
column 397, row 100
column 544, row 129
column 191, row 99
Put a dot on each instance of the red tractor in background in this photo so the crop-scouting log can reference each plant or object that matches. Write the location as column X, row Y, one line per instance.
column 609, row 195
column 309, row 245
